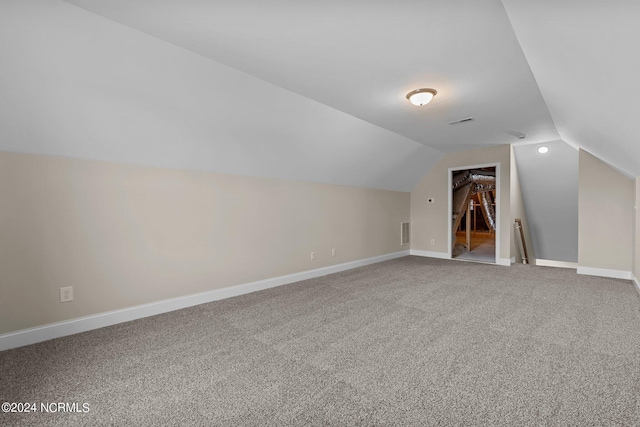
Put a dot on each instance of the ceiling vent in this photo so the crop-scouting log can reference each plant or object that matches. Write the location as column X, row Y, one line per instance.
column 458, row 122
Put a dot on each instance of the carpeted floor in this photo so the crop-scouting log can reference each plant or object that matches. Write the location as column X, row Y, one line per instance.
column 413, row 341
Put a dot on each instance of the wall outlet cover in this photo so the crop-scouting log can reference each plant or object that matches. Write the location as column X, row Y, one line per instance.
column 66, row 294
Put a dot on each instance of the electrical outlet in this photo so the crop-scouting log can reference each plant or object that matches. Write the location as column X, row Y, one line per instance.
column 433, row 241
column 313, row 256
column 66, row 294
column 333, row 252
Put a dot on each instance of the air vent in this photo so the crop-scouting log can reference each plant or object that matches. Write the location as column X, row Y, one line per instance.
column 404, row 233
column 458, row 122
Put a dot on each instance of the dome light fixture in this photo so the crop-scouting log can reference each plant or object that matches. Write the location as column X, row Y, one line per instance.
column 543, row 149
column 421, row 97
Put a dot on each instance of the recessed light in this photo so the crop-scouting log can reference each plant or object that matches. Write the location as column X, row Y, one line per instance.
column 543, row 150
column 421, row 96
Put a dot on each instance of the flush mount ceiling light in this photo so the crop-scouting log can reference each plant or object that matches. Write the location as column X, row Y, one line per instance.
column 543, row 150
column 421, row 96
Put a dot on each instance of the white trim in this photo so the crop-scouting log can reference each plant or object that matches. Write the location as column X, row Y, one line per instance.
column 551, row 263
column 603, row 272
column 504, row 261
column 636, row 282
column 441, row 255
column 87, row 323
column 498, row 206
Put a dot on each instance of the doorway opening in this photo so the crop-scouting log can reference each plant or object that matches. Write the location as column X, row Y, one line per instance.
column 474, row 213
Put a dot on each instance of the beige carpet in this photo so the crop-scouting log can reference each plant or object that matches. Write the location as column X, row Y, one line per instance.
column 408, row 342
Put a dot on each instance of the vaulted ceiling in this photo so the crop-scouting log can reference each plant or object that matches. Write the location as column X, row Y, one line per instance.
column 335, row 75
column 362, row 57
column 584, row 56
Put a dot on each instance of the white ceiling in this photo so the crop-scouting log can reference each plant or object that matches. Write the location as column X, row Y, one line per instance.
column 362, row 57
column 167, row 82
column 75, row 84
column 585, row 55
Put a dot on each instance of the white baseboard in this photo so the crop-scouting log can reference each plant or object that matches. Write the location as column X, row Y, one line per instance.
column 87, row 323
column 441, row 255
column 636, row 282
column 504, row 261
column 603, row 272
column 559, row 264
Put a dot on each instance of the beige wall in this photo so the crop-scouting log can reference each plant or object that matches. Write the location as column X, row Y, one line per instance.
column 636, row 253
column 605, row 225
column 518, row 211
column 124, row 235
column 431, row 221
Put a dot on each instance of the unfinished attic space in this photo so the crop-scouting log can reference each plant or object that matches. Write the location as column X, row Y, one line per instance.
column 474, row 214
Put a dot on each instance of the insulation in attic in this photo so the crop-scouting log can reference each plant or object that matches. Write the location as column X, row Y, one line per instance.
column 473, row 199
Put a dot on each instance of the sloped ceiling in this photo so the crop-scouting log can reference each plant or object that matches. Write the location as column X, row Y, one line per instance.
column 315, row 90
column 363, row 57
column 75, row 84
column 586, row 60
